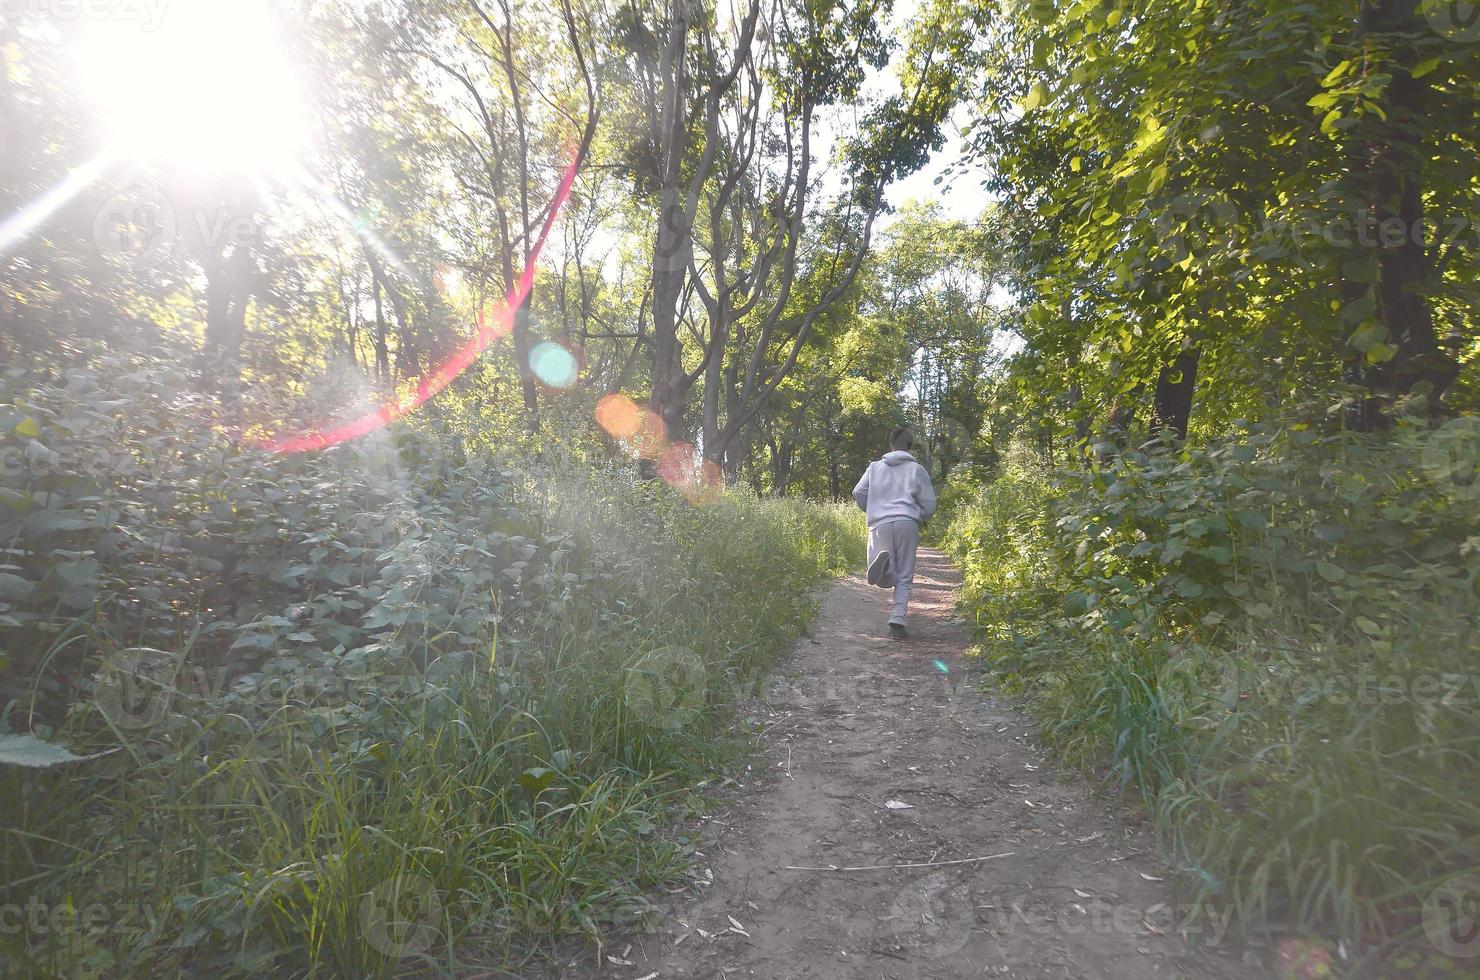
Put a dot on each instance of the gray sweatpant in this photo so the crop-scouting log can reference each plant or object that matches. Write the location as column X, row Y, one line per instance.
column 901, row 539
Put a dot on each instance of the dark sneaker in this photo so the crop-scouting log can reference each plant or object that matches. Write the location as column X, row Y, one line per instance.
column 897, row 631
column 879, row 570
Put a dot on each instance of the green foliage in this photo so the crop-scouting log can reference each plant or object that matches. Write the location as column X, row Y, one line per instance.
column 1178, row 174
column 915, row 343
column 1271, row 643
column 388, row 676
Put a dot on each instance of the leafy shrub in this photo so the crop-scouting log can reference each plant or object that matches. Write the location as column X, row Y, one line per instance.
column 1272, row 641
column 397, row 673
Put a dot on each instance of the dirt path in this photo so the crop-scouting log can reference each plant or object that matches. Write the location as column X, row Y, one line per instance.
column 861, row 721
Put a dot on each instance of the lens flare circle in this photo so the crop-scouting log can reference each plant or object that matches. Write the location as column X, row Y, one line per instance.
column 553, row 365
column 618, row 416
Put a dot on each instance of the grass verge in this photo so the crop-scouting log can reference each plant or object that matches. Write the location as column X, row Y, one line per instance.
column 1270, row 645
column 533, row 667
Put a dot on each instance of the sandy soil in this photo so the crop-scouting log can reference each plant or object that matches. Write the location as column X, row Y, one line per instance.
column 855, row 725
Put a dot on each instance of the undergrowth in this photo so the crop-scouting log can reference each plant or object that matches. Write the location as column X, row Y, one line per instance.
column 400, row 706
column 1271, row 643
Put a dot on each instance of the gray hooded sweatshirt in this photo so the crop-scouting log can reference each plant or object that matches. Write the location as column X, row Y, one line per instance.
column 895, row 488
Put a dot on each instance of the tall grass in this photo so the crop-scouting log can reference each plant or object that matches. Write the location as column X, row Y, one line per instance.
column 1270, row 644
column 494, row 763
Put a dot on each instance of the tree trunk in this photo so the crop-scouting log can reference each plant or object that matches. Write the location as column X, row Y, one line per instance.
column 671, row 237
column 1172, row 403
column 228, row 294
column 714, row 386
column 522, row 347
column 382, row 351
column 408, row 364
column 1387, row 177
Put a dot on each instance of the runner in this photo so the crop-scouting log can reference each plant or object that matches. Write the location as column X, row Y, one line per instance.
column 899, row 498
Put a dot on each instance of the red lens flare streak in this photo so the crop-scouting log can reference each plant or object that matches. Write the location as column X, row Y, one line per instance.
column 490, row 328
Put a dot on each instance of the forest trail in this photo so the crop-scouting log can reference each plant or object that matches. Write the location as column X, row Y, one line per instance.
column 861, row 721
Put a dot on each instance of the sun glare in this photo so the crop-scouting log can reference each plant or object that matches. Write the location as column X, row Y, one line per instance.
column 208, row 89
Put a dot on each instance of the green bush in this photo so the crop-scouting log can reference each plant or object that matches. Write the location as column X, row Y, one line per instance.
column 1272, row 642
column 401, row 704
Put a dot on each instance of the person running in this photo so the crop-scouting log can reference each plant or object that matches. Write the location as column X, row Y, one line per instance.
column 898, row 497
